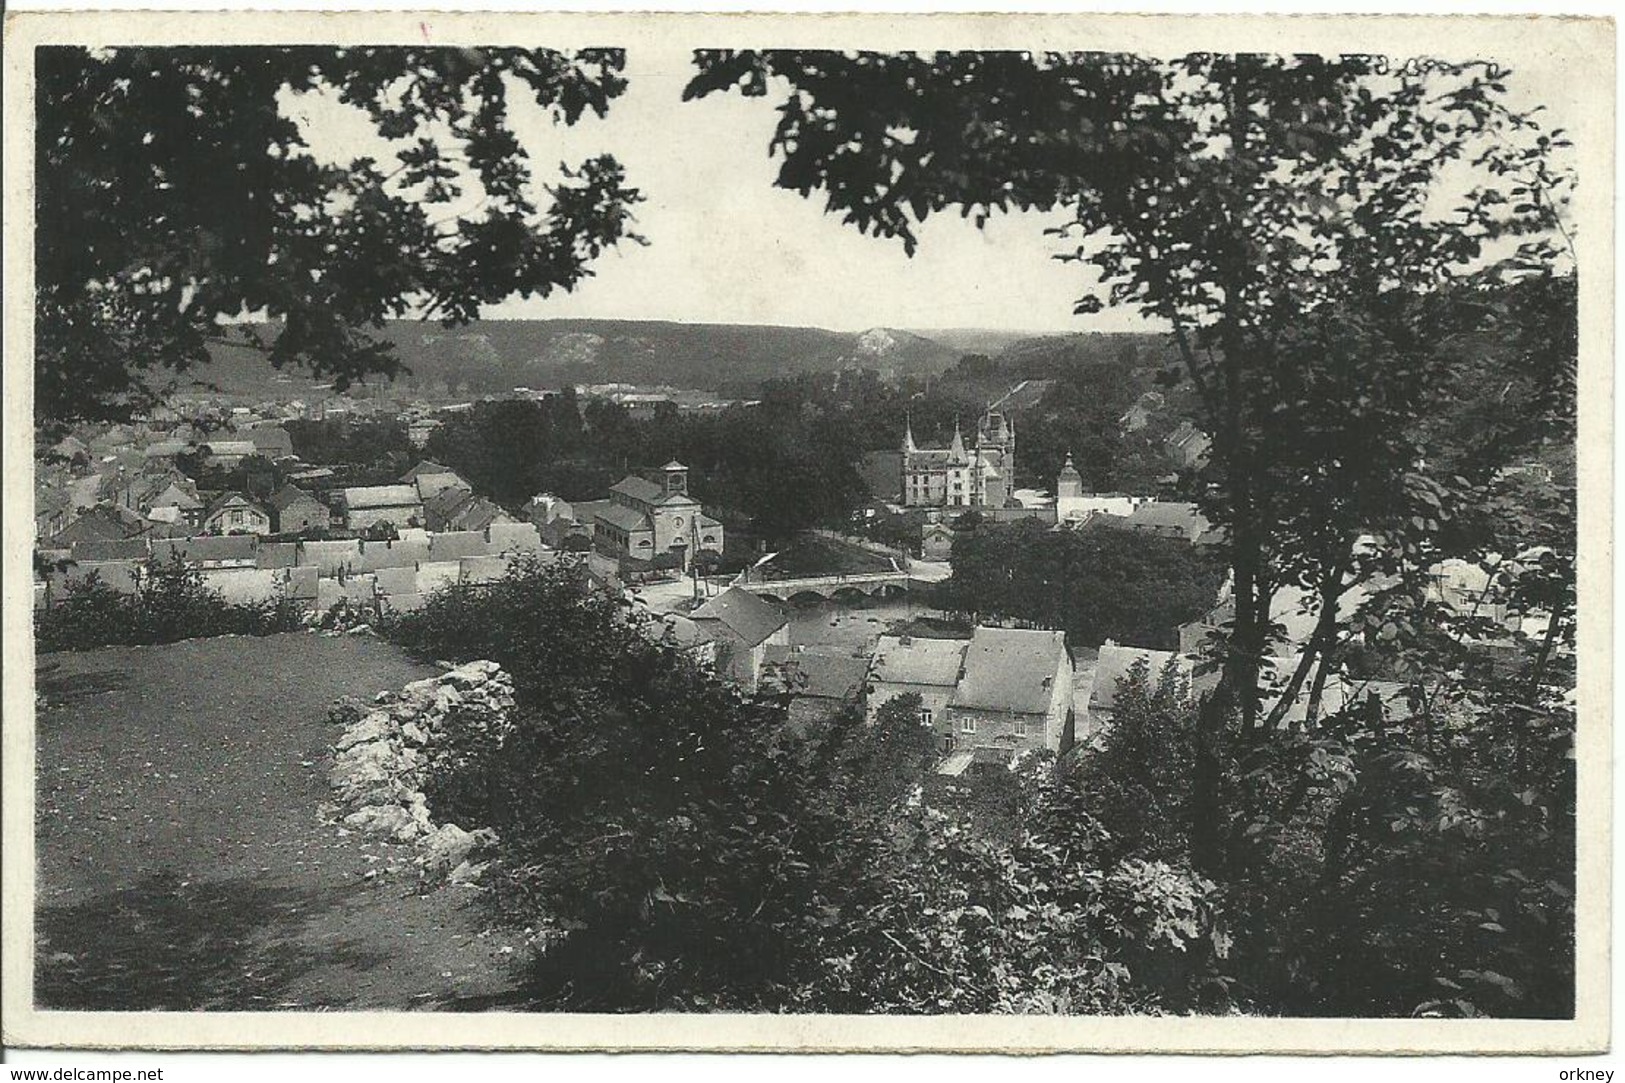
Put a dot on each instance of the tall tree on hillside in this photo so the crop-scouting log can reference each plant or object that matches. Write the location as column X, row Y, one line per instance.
column 174, row 189
column 1322, row 236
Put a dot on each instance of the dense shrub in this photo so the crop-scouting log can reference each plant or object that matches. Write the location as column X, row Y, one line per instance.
column 171, row 602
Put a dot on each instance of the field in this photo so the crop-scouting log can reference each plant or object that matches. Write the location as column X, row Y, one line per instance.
column 182, row 862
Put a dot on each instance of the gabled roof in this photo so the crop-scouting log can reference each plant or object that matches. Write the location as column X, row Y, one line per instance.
column 1011, row 669
column 913, row 660
column 749, row 618
column 623, row 517
column 640, row 489
column 381, row 496
column 242, row 448
column 429, row 485
column 278, row 555
column 822, row 674
column 285, row 497
column 424, row 466
column 231, row 499
column 1116, row 660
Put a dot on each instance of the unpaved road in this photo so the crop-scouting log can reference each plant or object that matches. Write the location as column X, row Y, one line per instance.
column 181, row 862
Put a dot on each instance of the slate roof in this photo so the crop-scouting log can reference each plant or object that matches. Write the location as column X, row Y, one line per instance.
column 515, row 538
column 122, row 549
column 1114, row 663
column 640, row 489
column 424, row 466
column 394, row 581
column 285, row 497
column 278, row 555
column 430, row 484
column 400, row 553
column 381, row 496
column 455, row 545
column 234, row 547
column 1011, row 669
column 749, row 618
column 914, row 660
column 227, row 448
column 821, row 674
column 623, row 517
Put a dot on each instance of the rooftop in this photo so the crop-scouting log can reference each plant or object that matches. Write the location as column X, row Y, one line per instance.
column 1011, row 669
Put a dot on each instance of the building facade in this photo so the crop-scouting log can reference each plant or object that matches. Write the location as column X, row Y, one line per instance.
column 959, row 476
column 652, row 522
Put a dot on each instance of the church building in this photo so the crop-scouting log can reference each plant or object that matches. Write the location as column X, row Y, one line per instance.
column 652, row 522
column 979, row 476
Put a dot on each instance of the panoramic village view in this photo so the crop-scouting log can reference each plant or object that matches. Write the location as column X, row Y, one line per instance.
column 395, row 653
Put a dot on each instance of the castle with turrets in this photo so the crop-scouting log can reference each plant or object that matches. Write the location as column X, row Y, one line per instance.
column 979, row 476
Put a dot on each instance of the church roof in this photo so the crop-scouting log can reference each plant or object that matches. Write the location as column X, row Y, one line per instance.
column 640, row 489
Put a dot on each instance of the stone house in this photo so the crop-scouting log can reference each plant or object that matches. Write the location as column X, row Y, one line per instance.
column 743, row 627
column 1014, row 693
column 294, row 511
column 928, row 668
column 1111, row 666
column 362, row 507
column 234, row 513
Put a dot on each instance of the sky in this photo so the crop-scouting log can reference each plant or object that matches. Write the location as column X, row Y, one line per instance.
column 726, row 246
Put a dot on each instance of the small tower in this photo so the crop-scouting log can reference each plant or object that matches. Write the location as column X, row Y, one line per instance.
column 676, row 478
column 1069, row 483
column 908, row 436
column 956, row 449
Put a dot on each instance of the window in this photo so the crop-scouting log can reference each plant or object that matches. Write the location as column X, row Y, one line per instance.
column 967, row 725
column 1021, row 729
column 925, row 716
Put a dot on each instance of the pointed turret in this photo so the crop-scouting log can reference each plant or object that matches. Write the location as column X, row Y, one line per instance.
column 957, row 448
column 908, row 435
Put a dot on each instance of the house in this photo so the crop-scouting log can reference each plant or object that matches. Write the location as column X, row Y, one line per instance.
column 1073, row 503
column 363, row 507
column 685, row 637
column 936, row 541
column 1187, row 446
column 229, row 551
column 743, row 627
column 1014, row 693
column 903, row 665
column 820, row 681
column 234, row 513
column 1164, row 519
column 104, row 522
column 294, row 511
column 453, row 508
column 1111, row 666
column 176, row 502
column 431, row 478
column 230, row 453
column 652, row 523
column 52, row 510
column 271, row 441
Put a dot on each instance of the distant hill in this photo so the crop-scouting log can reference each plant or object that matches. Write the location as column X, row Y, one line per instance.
column 490, row 355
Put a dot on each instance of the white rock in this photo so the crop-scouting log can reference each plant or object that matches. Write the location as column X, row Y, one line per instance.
column 371, row 728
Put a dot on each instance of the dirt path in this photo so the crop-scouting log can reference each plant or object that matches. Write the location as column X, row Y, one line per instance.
column 181, row 860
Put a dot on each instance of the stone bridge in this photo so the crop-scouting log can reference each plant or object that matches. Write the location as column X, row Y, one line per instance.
column 830, row 587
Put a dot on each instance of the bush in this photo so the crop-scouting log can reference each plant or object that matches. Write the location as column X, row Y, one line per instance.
column 171, row 602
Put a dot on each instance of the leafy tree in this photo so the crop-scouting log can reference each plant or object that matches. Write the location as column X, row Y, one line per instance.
column 174, row 190
column 1093, row 584
column 1320, row 234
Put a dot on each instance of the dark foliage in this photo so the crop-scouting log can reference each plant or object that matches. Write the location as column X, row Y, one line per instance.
column 1094, row 584
column 171, row 603
column 173, row 189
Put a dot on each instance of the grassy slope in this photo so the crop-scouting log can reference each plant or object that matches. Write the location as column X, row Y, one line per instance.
column 181, row 860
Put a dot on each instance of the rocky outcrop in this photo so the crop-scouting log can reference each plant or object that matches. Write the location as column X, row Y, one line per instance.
column 387, row 745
